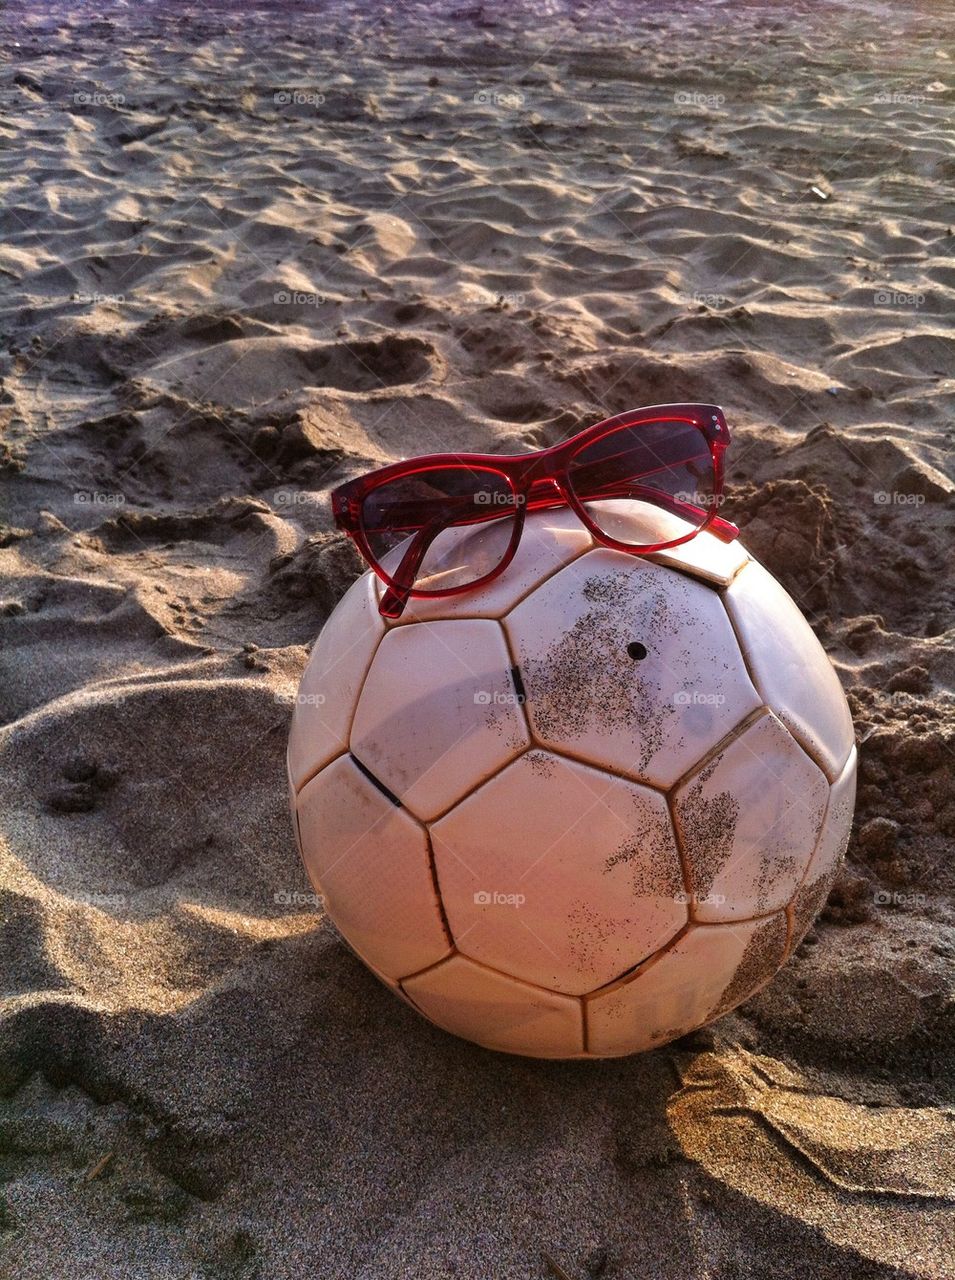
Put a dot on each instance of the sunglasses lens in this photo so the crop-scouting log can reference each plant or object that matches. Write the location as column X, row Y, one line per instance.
column 646, row 484
column 442, row 528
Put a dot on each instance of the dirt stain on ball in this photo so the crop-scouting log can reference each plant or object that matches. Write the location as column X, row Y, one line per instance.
column 761, row 958
column 650, row 855
column 708, row 825
column 589, row 681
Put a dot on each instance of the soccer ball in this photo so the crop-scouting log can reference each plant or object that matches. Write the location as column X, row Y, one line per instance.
column 585, row 809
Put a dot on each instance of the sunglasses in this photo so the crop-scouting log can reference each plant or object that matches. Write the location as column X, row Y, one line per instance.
column 451, row 522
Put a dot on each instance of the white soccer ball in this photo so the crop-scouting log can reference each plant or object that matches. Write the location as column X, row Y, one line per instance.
column 584, row 810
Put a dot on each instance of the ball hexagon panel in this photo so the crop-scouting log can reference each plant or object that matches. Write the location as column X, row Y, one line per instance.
column 630, row 665
column 749, row 820
column 438, row 712
column 371, row 862
column 704, row 556
column 332, row 681
column 707, row 971
column 498, row 1011
column 790, row 667
column 550, row 539
column 559, row 874
column 829, row 853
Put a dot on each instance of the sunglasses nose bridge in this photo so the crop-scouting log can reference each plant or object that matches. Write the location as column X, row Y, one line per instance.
column 544, row 489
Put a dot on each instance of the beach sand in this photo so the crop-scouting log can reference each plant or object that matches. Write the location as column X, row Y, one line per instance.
column 245, row 256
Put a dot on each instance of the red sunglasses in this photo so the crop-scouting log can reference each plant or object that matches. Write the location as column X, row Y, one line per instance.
column 451, row 522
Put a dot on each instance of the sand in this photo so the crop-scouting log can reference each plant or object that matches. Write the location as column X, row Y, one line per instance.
column 246, row 255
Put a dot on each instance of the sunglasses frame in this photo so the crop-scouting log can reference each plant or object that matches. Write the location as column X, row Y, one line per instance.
column 538, row 480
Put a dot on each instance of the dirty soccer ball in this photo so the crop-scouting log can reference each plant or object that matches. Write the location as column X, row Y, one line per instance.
column 585, row 809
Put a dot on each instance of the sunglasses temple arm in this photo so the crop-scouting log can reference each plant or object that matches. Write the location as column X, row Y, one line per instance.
column 395, row 597
column 725, row 530
column 720, row 528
